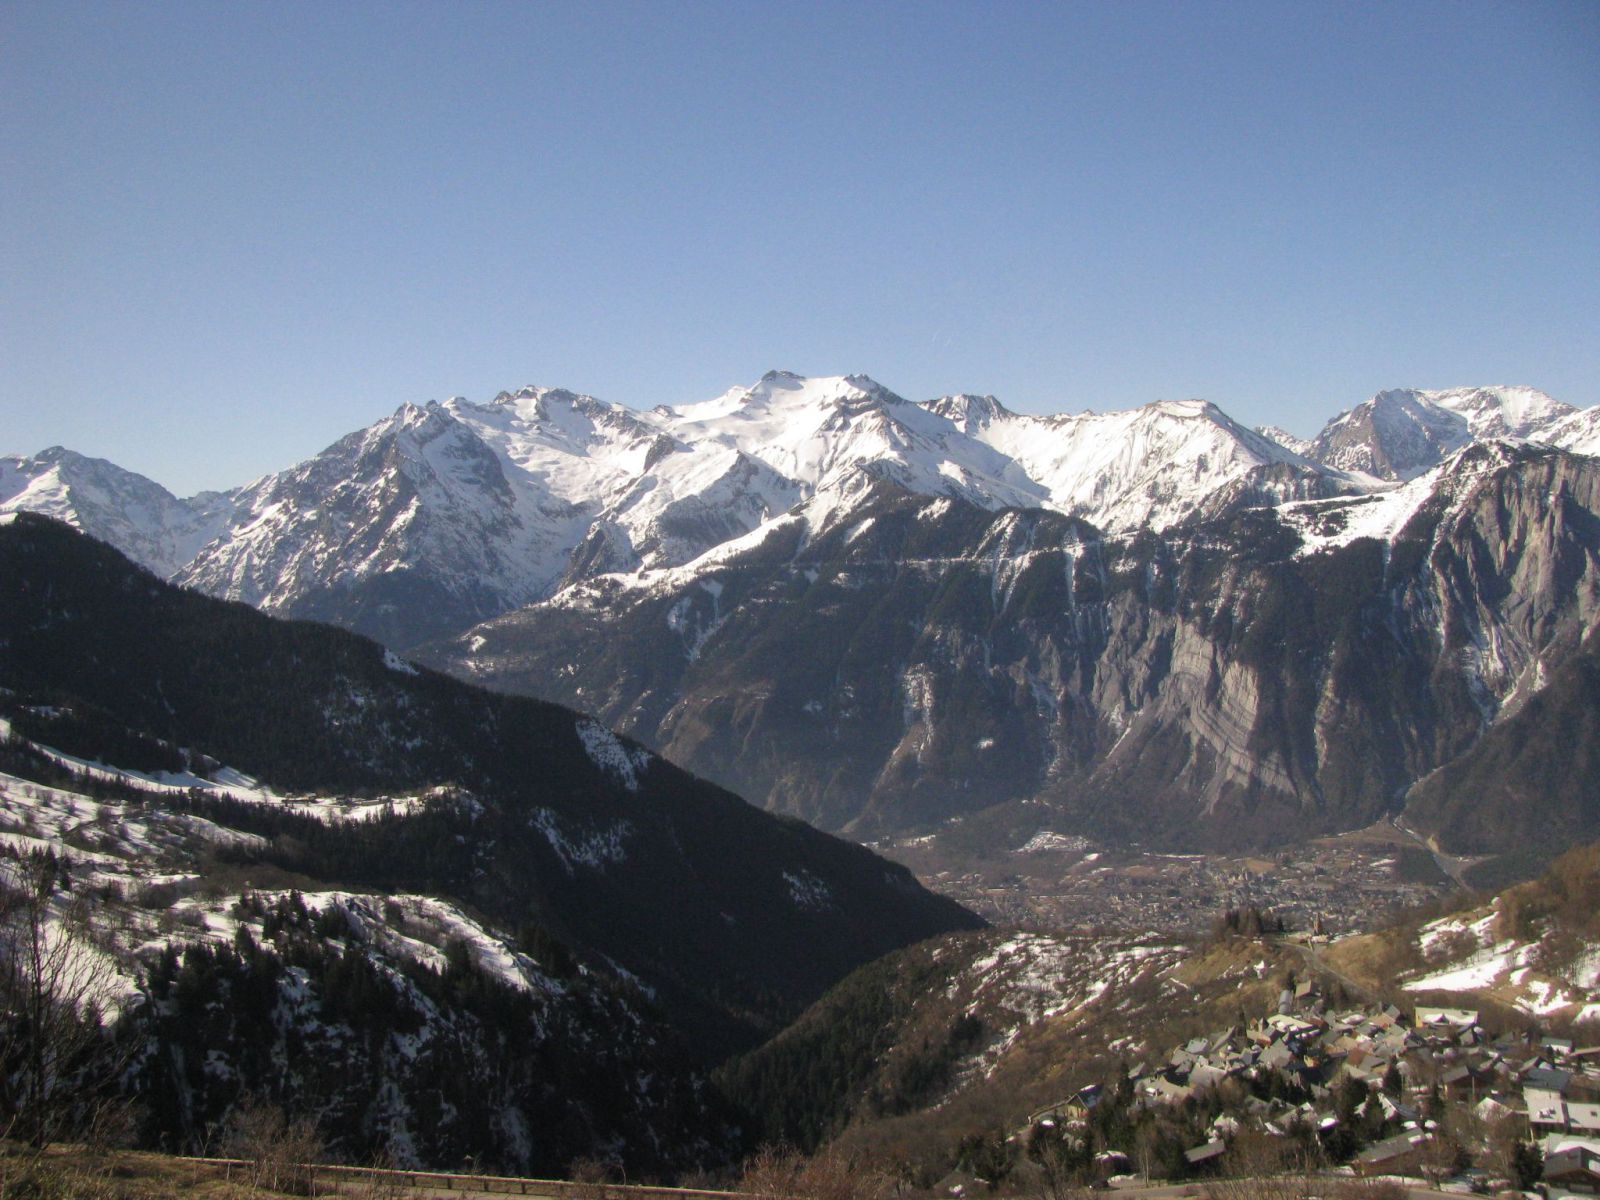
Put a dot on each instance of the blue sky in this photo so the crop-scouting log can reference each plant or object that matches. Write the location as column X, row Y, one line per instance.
column 234, row 232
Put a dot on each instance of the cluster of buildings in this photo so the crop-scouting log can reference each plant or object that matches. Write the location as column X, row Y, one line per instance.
column 1292, row 1060
column 1339, row 886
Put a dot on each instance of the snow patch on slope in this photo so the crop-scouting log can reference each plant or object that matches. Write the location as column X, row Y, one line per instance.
column 593, row 849
column 611, row 756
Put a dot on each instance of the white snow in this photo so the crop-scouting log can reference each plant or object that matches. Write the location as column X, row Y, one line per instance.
column 395, row 663
column 611, row 756
column 1382, row 514
column 808, row 890
column 593, row 848
column 1046, row 840
column 1481, row 971
column 1027, row 978
column 1516, row 972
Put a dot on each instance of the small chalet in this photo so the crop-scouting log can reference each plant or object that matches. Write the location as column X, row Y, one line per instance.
column 1400, row 1155
column 1445, row 1018
column 1583, row 1119
column 1576, row 1169
column 1547, row 1111
column 1208, row 1153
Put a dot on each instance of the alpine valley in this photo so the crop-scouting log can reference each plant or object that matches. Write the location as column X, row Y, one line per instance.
column 899, row 620
column 468, row 876
column 429, row 916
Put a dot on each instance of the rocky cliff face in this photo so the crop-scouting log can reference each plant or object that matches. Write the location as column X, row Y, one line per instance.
column 1401, row 433
column 1254, row 677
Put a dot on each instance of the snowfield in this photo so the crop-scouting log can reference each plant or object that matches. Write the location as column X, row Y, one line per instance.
column 1522, row 974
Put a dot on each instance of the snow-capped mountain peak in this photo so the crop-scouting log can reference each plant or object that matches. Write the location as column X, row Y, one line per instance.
column 114, row 505
column 445, row 513
column 1275, row 433
column 970, row 413
column 1578, row 432
column 1400, row 433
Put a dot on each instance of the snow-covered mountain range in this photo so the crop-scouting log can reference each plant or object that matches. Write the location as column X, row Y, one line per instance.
column 883, row 615
column 441, row 516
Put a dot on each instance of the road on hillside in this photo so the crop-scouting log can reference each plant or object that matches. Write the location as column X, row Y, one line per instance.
column 1317, row 963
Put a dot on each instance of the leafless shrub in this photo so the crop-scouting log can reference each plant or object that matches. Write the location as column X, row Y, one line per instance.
column 57, row 1061
column 1259, row 1166
column 156, row 896
column 782, row 1173
column 278, row 1152
column 382, row 1181
column 590, row 1178
column 1450, row 946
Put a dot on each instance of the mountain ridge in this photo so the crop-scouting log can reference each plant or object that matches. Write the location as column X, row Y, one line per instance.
column 1257, row 674
column 443, row 515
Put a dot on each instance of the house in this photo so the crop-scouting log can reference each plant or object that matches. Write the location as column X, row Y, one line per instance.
column 1399, row 1155
column 1206, row 1075
column 1289, row 1026
column 1208, row 1153
column 1164, row 1090
column 1547, row 1111
column 1445, row 1018
column 1464, row 1082
column 1074, row 1110
column 1549, row 1079
column 1583, row 1119
column 1576, row 1169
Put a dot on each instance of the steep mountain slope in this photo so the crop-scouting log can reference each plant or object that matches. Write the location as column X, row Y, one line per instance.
column 1300, row 445
column 556, row 819
column 403, row 1024
column 1257, row 676
column 1537, row 771
column 141, row 518
column 978, row 1046
column 1399, row 434
column 956, row 1041
column 1579, row 432
column 883, row 615
column 1530, row 949
column 1148, row 467
column 409, row 526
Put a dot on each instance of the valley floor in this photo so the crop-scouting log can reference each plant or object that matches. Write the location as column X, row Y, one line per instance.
column 1349, row 883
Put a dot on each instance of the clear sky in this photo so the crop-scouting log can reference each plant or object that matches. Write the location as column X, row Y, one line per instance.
column 231, row 233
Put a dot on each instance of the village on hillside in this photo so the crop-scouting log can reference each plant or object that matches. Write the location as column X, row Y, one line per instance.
column 1429, row 1095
